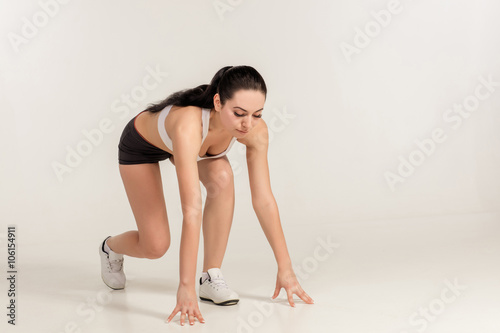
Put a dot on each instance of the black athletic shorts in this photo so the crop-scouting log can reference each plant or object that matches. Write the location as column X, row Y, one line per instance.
column 135, row 149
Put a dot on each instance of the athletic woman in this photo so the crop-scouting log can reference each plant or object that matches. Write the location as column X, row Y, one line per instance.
column 194, row 129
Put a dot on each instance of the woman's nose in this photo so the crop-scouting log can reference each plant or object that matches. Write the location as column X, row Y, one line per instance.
column 246, row 122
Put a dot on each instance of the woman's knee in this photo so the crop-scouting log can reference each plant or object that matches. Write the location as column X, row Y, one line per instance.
column 155, row 248
column 218, row 178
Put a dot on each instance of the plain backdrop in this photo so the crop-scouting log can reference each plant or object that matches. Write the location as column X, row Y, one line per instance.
column 341, row 121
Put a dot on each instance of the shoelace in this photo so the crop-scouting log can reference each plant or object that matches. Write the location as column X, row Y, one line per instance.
column 115, row 265
column 219, row 283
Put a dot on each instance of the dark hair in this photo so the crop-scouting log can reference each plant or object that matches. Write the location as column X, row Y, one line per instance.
column 225, row 82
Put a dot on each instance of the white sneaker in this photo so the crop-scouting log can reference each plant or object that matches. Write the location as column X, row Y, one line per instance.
column 112, row 268
column 215, row 289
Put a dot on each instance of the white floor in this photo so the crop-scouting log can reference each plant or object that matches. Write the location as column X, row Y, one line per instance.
column 435, row 274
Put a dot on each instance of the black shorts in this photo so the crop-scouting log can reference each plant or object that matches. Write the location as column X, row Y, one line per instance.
column 133, row 148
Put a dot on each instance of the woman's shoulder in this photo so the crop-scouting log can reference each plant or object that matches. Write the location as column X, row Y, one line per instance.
column 190, row 109
column 185, row 113
column 183, row 117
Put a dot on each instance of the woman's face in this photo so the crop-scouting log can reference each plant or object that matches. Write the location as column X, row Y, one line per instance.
column 241, row 113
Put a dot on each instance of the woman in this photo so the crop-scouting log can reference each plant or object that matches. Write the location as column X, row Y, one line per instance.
column 194, row 129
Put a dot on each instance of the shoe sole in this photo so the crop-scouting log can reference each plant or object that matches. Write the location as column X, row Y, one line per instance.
column 110, row 286
column 229, row 302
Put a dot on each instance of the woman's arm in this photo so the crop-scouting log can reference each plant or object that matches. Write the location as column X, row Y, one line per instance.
column 266, row 210
column 186, row 139
column 186, row 144
column 263, row 201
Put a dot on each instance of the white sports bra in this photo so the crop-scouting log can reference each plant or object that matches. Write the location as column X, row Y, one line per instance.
column 205, row 116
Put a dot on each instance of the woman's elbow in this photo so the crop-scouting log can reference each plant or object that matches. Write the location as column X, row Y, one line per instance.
column 262, row 202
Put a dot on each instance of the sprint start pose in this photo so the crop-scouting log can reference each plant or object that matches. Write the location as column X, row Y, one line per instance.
column 194, row 129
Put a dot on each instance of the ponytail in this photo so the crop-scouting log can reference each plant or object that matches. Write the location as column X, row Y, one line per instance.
column 225, row 82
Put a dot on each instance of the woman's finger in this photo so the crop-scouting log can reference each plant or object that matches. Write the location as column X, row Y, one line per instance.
column 276, row 292
column 199, row 317
column 305, row 297
column 183, row 317
column 172, row 315
column 290, row 297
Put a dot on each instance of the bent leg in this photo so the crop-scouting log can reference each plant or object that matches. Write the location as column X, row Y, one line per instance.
column 217, row 177
column 144, row 190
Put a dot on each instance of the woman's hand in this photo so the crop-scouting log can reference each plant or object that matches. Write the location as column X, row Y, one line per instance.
column 187, row 304
column 287, row 279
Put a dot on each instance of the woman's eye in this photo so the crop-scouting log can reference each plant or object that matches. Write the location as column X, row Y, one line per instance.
column 242, row 115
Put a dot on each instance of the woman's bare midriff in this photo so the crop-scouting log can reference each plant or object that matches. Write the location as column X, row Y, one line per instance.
column 146, row 124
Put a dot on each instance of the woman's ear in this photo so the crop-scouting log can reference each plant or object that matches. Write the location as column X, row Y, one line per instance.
column 217, row 104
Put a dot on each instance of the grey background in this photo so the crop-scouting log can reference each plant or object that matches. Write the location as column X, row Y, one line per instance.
column 349, row 119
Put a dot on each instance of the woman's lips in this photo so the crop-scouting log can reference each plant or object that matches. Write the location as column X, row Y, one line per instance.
column 242, row 132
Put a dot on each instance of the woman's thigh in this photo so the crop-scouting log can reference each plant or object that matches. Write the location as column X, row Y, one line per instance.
column 144, row 189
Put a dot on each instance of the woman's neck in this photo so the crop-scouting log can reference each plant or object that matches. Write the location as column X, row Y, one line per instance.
column 215, row 124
